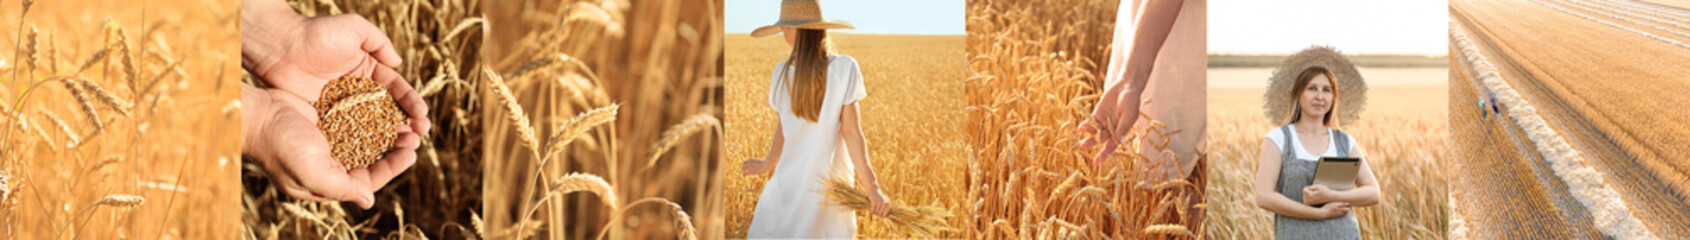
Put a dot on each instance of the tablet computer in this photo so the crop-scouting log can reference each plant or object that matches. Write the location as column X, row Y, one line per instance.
column 1337, row 173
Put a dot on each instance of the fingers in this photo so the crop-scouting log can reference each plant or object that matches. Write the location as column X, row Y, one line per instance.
column 374, row 42
column 399, row 158
column 409, row 100
column 882, row 209
column 323, row 176
column 1103, row 154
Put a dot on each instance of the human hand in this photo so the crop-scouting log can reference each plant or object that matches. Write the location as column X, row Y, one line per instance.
column 1111, row 120
column 280, row 132
column 754, row 167
column 1317, row 194
column 877, row 204
column 302, row 56
column 1335, row 209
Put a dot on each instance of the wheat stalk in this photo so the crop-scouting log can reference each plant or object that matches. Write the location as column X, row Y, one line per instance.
column 695, row 124
column 514, row 112
column 1174, row 230
column 923, row 221
column 88, row 111
column 114, row 200
column 121, row 200
column 570, row 183
column 106, row 98
column 577, row 127
column 682, row 220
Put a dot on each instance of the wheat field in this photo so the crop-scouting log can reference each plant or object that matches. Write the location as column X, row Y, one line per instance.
column 556, row 120
column 115, row 114
column 1613, row 126
column 1404, row 130
column 909, row 120
column 1035, row 71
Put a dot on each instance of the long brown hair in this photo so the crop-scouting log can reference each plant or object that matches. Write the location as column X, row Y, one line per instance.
column 1303, row 82
column 808, row 86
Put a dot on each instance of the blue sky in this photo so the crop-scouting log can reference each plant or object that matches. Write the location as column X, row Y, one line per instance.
column 1285, row 26
column 869, row 16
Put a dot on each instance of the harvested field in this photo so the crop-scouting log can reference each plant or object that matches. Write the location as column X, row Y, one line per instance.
column 1598, row 73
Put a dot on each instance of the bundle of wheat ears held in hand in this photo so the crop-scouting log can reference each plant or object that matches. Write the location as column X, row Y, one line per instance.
column 359, row 118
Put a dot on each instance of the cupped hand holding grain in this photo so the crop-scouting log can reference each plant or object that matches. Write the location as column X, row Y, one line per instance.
column 280, row 132
column 300, row 55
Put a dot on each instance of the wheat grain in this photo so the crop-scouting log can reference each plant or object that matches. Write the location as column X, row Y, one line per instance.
column 671, row 137
column 5, row 188
column 348, row 104
column 577, row 127
column 682, row 220
column 923, row 221
column 76, row 89
column 106, row 98
column 514, row 112
column 31, row 47
column 575, row 182
column 69, row 134
column 98, row 56
column 122, row 200
column 360, row 119
column 1169, row 230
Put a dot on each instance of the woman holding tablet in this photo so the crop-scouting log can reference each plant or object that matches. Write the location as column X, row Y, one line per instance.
column 1307, row 95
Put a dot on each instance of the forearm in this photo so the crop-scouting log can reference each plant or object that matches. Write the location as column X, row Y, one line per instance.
column 267, row 26
column 1279, row 204
column 858, row 150
column 775, row 149
column 1358, row 197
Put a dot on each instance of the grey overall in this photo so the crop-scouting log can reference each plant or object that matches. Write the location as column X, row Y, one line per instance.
column 1295, row 174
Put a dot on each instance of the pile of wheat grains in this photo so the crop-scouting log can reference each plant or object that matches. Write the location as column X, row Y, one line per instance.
column 360, row 119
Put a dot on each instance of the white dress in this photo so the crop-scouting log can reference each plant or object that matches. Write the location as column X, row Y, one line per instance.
column 792, row 204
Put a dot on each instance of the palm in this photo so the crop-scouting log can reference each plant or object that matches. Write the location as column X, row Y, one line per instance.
column 325, row 50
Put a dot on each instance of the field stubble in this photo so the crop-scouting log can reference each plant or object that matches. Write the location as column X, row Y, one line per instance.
column 1616, row 119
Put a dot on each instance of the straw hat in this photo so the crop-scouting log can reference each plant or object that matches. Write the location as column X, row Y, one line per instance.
column 1352, row 90
column 801, row 14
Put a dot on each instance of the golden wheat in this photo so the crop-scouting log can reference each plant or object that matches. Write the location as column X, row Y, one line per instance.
column 693, row 125
column 920, row 221
column 909, row 124
column 360, row 119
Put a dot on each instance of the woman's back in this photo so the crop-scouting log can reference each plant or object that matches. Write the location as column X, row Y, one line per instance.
column 791, row 204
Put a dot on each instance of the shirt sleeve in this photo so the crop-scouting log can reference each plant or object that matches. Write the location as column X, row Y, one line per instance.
column 775, row 86
column 855, row 91
column 1275, row 136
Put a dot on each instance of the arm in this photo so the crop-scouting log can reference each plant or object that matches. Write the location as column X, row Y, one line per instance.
column 851, row 131
column 1129, row 69
column 760, row 166
column 1267, row 175
column 1365, row 194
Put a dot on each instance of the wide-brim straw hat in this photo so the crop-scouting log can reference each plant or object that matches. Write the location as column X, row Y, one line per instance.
column 806, row 14
column 1352, row 90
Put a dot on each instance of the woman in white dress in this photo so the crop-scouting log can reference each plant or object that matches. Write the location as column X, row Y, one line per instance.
column 815, row 93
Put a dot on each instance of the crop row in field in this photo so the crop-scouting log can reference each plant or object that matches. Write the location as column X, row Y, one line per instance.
column 1587, row 184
